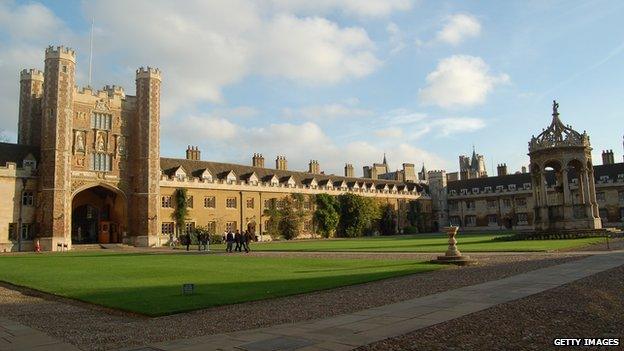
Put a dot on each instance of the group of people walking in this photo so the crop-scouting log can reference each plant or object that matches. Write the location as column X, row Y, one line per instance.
column 241, row 240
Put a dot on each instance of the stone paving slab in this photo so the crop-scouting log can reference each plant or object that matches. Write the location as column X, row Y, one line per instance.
column 351, row 330
column 18, row 337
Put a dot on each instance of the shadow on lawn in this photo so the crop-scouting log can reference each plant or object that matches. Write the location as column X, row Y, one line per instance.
column 163, row 300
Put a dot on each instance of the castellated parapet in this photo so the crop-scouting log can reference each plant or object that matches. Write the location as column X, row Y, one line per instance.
column 60, row 52
column 149, row 72
column 31, row 74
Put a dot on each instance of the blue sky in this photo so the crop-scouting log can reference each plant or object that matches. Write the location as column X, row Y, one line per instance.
column 343, row 81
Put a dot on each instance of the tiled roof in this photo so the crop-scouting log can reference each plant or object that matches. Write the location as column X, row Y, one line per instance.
column 16, row 153
column 300, row 178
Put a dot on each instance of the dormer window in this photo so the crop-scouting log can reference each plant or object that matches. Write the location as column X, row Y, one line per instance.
column 499, row 188
column 512, row 186
column 464, row 191
column 206, row 176
column 475, row 190
column 526, row 186
column 604, row 178
column 230, row 178
column 488, row 189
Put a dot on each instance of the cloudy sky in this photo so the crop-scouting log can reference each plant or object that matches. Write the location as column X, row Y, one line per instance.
column 345, row 80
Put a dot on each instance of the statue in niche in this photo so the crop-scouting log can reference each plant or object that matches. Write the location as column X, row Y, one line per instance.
column 79, row 142
column 100, row 145
column 121, row 145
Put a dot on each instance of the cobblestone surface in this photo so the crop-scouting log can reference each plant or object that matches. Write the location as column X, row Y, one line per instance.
column 592, row 307
column 97, row 329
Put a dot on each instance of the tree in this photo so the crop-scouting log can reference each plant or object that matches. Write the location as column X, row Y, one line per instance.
column 388, row 221
column 291, row 219
column 275, row 217
column 326, row 215
column 357, row 214
column 416, row 217
column 180, row 212
column 286, row 219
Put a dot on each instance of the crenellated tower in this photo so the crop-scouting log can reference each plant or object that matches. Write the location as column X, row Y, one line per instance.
column 56, row 130
column 31, row 94
column 146, row 156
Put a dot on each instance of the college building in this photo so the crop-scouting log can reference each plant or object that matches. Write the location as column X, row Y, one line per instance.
column 87, row 169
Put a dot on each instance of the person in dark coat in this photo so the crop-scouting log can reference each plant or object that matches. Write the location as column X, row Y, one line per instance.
column 247, row 237
column 200, row 241
column 238, row 238
column 187, row 238
column 229, row 239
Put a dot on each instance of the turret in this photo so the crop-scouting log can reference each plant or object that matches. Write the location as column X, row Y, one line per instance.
column 501, row 169
column 146, row 155
column 56, row 144
column 30, row 99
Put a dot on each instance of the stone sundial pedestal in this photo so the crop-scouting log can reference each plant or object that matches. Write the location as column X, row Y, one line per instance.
column 452, row 254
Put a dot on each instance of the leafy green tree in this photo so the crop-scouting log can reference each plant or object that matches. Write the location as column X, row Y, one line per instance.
column 291, row 219
column 357, row 214
column 275, row 217
column 326, row 215
column 180, row 212
column 388, row 220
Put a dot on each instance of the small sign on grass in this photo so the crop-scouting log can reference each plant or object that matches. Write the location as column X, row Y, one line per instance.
column 188, row 289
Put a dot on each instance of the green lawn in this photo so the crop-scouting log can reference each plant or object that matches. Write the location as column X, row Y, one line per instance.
column 151, row 283
column 423, row 243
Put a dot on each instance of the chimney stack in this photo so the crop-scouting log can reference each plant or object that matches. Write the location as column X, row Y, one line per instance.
column 314, row 167
column 524, row 169
column 348, row 171
column 502, row 169
column 193, row 153
column 281, row 164
column 257, row 160
column 607, row 157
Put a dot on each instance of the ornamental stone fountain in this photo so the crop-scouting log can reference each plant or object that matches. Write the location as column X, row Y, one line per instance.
column 452, row 254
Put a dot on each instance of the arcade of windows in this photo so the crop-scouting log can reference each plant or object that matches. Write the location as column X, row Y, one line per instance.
column 101, row 162
column 210, row 202
column 230, row 202
column 101, row 121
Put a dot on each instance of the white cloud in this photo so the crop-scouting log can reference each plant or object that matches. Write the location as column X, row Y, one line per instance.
column 202, row 46
column 455, row 125
column 460, row 81
column 197, row 127
column 26, row 31
column 397, row 42
column 325, row 112
column 413, row 125
column 392, row 132
column 368, row 8
column 459, row 27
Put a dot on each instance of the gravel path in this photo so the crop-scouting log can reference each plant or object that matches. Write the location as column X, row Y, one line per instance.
column 592, row 307
column 95, row 329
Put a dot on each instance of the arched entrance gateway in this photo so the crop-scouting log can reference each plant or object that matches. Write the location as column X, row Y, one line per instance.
column 99, row 215
column 562, row 177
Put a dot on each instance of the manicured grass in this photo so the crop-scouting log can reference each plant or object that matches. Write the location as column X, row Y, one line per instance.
column 423, row 243
column 151, row 284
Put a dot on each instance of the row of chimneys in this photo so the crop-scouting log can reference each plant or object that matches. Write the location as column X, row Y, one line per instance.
column 607, row 157
column 193, row 153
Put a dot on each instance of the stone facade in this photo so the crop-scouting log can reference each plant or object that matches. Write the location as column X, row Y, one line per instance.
column 88, row 162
